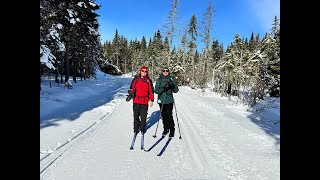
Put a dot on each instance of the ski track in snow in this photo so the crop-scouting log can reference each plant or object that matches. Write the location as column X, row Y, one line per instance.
column 230, row 150
column 219, row 148
column 63, row 135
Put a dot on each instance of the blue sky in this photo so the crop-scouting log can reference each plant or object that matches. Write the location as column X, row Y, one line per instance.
column 137, row 18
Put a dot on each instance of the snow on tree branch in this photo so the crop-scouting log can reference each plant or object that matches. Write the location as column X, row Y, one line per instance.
column 46, row 57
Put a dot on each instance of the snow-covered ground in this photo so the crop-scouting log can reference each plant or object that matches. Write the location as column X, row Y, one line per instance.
column 86, row 132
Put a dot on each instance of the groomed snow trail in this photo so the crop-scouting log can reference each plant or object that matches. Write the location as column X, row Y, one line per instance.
column 219, row 141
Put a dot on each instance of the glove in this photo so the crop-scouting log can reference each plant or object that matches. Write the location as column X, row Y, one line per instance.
column 129, row 96
column 169, row 86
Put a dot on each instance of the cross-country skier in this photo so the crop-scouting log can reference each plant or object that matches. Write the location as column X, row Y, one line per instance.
column 165, row 86
column 141, row 90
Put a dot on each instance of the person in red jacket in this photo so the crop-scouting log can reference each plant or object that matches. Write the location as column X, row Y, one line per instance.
column 142, row 92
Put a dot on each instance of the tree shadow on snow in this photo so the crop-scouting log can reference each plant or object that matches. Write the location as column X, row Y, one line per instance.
column 76, row 108
column 267, row 122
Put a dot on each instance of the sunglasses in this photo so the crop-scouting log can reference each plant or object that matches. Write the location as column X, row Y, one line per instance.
column 144, row 71
column 165, row 70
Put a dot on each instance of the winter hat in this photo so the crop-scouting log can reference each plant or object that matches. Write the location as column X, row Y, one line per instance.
column 143, row 68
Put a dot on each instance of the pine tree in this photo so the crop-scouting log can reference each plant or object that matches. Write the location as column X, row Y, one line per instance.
column 192, row 43
column 143, row 43
column 206, row 31
column 275, row 27
column 252, row 43
column 206, row 25
column 115, row 45
column 169, row 27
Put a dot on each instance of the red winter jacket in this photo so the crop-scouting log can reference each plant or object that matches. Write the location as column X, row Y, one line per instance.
column 142, row 89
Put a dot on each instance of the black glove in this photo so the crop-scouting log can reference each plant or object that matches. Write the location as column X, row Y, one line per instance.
column 169, row 86
column 129, row 96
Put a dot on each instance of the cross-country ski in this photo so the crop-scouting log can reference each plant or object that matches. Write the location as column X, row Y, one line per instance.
column 164, row 147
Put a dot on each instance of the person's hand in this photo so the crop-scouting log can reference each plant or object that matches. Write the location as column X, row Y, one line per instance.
column 169, row 86
column 130, row 93
column 129, row 96
column 150, row 103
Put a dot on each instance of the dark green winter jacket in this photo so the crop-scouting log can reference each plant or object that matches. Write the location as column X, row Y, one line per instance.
column 165, row 97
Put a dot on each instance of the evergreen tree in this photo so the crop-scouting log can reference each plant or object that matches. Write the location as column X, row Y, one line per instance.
column 252, row 43
column 206, row 31
column 143, row 44
column 275, row 27
column 192, row 44
column 115, row 45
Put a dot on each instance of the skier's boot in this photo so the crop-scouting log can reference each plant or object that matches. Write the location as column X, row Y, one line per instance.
column 165, row 132
column 142, row 132
column 136, row 131
column 171, row 135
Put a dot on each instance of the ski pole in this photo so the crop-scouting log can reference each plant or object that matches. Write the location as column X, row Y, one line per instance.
column 177, row 117
column 160, row 117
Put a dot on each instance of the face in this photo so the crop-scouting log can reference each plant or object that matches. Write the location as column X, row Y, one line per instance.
column 144, row 72
column 165, row 72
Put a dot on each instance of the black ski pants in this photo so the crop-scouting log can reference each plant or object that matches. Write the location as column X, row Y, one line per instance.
column 167, row 118
column 139, row 110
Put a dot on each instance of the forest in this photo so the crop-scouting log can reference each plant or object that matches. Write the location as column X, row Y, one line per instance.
column 70, row 46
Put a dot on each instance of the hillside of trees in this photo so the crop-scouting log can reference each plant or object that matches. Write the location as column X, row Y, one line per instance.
column 70, row 46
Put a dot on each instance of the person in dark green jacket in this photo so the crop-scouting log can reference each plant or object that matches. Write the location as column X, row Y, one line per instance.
column 165, row 86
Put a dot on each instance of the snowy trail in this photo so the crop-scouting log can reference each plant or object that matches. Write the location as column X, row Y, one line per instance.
column 228, row 146
column 63, row 123
column 229, row 143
